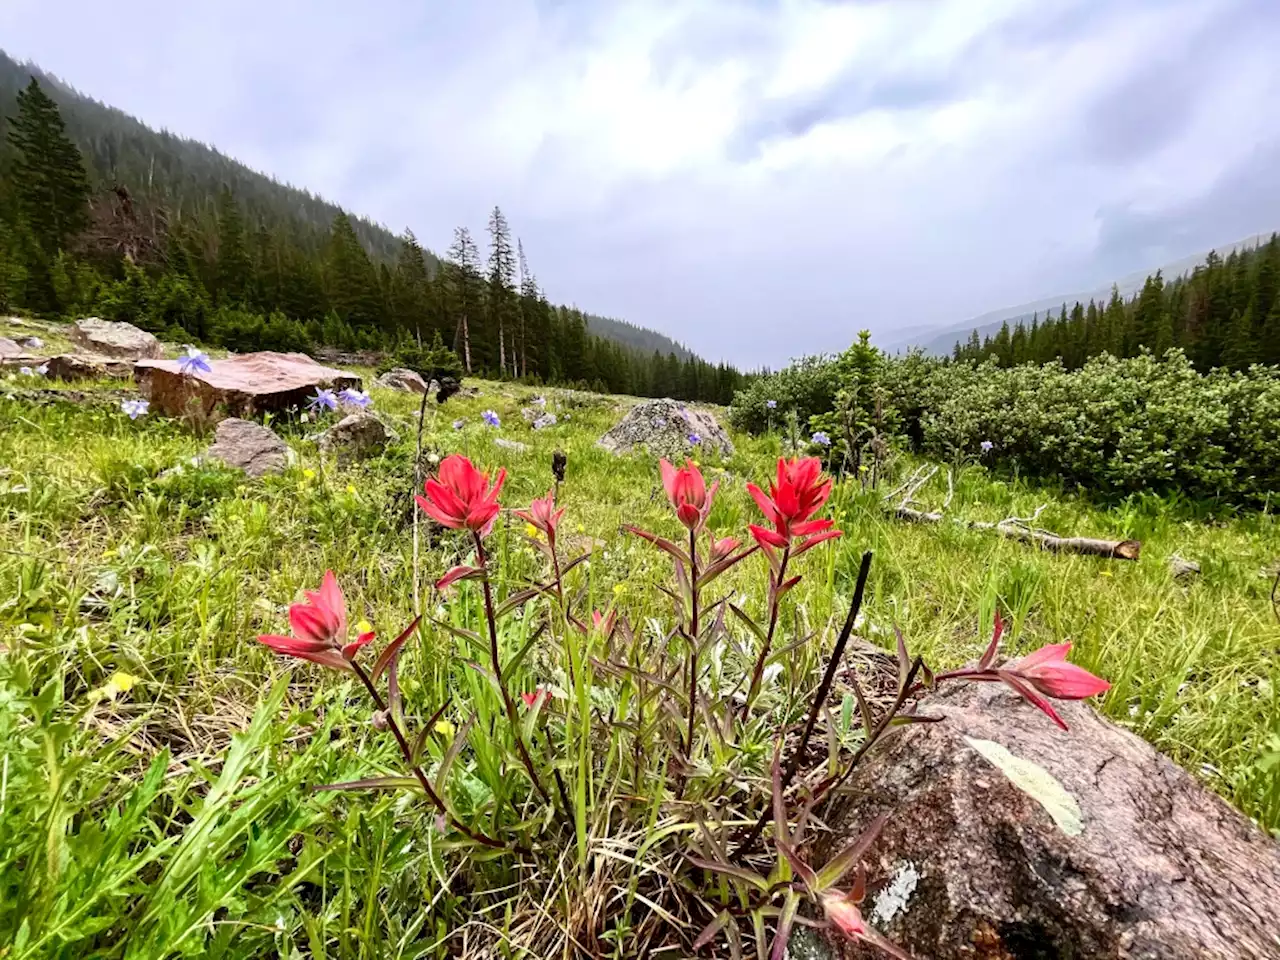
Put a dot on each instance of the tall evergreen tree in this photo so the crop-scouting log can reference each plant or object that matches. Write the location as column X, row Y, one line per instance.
column 49, row 179
column 500, row 293
column 462, row 278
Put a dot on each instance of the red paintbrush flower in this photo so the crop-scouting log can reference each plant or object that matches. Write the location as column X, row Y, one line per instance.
column 531, row 700
column 604, row 622
column 688, row 493
column 798, row 492
column 544, row 516
column 459, row 496
column 319, row 627
column 842, row 912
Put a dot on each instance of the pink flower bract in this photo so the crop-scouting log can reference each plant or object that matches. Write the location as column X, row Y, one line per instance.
column 688, row 493
column 319, row 627
column 544, row 516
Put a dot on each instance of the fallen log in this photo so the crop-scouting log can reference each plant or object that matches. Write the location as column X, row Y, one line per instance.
column 1014, row 530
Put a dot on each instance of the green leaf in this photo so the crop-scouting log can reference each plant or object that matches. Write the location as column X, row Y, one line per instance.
column 1036, row 782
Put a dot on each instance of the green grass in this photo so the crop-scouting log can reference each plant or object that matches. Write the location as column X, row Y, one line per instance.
column 170, row 817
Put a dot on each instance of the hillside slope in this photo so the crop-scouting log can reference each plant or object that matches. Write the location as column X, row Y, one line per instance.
column 165, row 170
column 941, row 343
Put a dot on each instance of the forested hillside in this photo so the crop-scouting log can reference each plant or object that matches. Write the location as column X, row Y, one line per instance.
column 100, row 214
column 1226, row 313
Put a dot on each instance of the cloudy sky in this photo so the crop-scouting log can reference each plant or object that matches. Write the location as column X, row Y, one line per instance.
column 758, row 179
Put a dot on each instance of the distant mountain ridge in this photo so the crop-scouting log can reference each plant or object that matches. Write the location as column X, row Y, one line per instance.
column 942, row 343
column 177, row 173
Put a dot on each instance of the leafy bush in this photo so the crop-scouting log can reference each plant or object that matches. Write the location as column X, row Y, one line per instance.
column 431, row 363
column 1118, row 426
column 806, row 387
column 584, row 726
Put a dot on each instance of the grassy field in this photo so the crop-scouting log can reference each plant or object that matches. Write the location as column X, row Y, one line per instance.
column 155, row 759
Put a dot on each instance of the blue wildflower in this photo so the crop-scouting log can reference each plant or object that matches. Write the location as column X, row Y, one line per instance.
column 26, row 371
column 491, row 418
column 695, row 439
column 324, row 399
column 458, row 424
column 821, row 439
column 135, row 408
column 986, row 446
column 193, row 361
column 771, row 404
column 352, row 397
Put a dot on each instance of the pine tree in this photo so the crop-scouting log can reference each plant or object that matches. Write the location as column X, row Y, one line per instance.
column 462, row 279
column 49, row 180
column 354, row 291
column 500, row 293
column 234, row 268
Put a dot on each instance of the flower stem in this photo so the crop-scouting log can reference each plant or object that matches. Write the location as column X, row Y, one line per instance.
column 775, row 603
column 508, row 703
column 693, row 641
column 820, row 698
column 407, row 752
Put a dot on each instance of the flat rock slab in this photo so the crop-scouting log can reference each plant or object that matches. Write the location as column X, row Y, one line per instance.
column 249, row 446
column 515, row 446
column 10, row 348
column 242, row 386
column 1140, row 861
column 667, row 428
column 358, row 435
column 111, row 338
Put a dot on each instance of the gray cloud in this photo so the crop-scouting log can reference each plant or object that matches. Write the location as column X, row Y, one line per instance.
column 759, row 179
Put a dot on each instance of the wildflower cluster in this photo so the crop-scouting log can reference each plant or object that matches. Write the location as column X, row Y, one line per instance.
column 568, row 696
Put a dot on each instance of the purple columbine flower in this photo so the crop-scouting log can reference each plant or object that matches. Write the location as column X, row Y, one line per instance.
column 491, row 418
column 135, row 408
column 544, row 421
column 43, row 369
column 324, row 399
column 26, row 371
column 695, row 439
column 193, row 361
column 771, row 404
column 986, row 446
column 351, row 397
column 821, row 439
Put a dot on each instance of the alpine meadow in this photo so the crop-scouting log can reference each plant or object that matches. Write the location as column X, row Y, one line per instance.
column 357, row 601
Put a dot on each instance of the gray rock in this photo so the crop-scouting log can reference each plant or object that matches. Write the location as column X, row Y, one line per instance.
column 1152, row 865
column 249, row 446
column 1183, row 569
column 358, row 435
column 80, row 366
column 31, row 343
column 402, row 379
column 113, row 339
column 513, row 445
column 10, row 348
column 665, row 428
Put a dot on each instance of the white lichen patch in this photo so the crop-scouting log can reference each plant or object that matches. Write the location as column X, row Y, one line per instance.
column 892, row 900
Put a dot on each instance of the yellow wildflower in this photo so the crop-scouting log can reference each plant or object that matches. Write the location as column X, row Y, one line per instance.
column 351, row 488
column 309, row 473
column 445, row 728
column 530, row 530
column 364, row 626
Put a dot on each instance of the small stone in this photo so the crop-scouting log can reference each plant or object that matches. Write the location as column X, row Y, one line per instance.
column 114, row 339
column 358, row 435
column 402, row 379
column 248, row 446
column 514, row 446
column 1183, row 569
